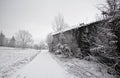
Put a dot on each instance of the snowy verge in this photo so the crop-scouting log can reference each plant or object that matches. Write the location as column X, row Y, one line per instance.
column 82, row 68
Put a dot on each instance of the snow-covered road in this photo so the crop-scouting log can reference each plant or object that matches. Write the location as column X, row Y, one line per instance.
column 43, row 66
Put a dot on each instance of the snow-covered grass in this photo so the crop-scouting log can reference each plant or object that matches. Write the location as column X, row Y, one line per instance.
column 12, row 59
column 83, row 68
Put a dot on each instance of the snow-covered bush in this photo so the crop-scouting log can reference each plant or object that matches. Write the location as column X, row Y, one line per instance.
column 63, row 49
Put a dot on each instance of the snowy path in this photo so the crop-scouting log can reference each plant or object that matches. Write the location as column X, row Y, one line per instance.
column 43, row 66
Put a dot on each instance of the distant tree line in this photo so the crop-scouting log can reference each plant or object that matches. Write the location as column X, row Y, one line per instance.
column 40, row 45
column 7, row 42
column 22, row 39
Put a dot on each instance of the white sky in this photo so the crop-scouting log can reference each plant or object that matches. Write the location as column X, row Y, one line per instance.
column 37, row 16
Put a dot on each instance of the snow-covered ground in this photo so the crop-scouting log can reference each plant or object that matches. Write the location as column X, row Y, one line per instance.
column 43, row 66
column 83, row 68
column 46, row 65
column 13, row 59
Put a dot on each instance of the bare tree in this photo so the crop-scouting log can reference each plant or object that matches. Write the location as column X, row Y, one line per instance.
column 23, row 38
column 2, row 38
column 49, row 41
column 49, row 38
column 59, row 23
column 112, row 8
column 12, row 42
column 40, row 46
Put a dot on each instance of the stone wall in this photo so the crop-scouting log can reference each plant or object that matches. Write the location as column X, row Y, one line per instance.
column 89, row 39
column 99, row 39
column 81, row 38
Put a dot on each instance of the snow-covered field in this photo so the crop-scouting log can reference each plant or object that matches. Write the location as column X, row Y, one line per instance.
column 12, row 59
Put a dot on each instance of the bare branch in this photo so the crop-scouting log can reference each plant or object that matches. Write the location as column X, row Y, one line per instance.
column 24, row 38
column 59, row 23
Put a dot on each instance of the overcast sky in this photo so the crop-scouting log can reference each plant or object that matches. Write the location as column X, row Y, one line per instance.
column 37, row 16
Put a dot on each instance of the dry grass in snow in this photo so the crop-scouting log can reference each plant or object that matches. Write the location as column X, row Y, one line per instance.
column 12, row 59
